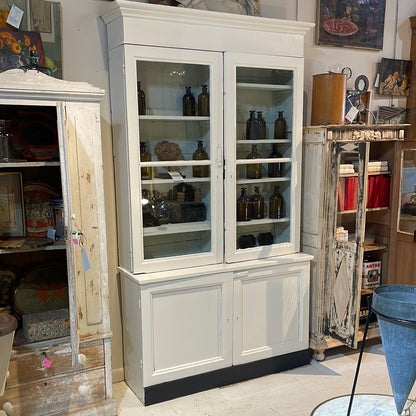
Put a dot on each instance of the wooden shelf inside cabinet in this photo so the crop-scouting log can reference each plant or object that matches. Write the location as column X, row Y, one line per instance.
column 25, row 164
column 269, row 87
column 262, row 221
column 265, row 141
column 262, row 180
column 172, row 118
column 263, row 160
column 353, row 211
column 374, row 247
column 161, row 181
column 58, row 245
column 177, row 228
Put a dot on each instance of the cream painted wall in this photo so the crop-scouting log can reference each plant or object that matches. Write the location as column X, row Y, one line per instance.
column 85, row 59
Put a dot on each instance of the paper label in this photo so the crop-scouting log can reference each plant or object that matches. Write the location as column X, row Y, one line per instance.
column 352, row 113
column 85, row 261
column 176, row 176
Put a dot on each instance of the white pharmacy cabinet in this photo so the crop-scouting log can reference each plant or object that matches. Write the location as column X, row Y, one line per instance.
column 207, row 130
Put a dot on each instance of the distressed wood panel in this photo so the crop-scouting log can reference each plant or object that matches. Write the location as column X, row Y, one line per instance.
column 86, row 212
column 26, row 363
column 57, row 394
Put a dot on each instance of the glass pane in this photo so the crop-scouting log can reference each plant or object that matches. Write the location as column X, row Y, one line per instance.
column 264, row 156
column 407, row 219
column 175, row 165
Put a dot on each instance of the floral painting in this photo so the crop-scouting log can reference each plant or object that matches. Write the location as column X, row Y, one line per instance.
column 15, row 47
column 351, row 23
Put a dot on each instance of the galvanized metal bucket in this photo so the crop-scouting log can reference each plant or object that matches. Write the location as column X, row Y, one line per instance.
column 395, row 306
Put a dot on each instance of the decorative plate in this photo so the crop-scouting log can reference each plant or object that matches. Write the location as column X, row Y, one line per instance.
column 340, row 27
column 43, row 288
column 37, row 196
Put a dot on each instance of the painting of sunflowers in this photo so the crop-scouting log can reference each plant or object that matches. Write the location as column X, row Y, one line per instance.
column 15, row 47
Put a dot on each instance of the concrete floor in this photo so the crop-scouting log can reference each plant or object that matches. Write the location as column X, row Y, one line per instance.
column 296, row 392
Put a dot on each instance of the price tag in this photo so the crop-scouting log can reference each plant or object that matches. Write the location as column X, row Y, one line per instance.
column 46, row 363
column 176, row 176
column 352, row 113
column 85, row 261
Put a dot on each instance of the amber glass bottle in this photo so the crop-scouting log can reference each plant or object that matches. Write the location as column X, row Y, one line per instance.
column 244, row 206
column 262, row 125
column 258, row 204
column 145, row 156
column 275, row 170
column 200, row 154
column 277, row 206
column 141, row 99
column 188, row 103
column 203, row 102
column 252, row 127
column 280, row 127
column 254, row 169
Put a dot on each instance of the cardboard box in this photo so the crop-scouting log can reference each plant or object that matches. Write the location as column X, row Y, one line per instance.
column 371, row 274
column 46, row 325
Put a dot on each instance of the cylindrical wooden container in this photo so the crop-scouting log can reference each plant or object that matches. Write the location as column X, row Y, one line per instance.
column 328, row 99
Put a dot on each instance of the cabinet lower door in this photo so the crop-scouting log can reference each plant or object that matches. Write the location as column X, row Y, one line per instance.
column 186, row 326
column 271, row 309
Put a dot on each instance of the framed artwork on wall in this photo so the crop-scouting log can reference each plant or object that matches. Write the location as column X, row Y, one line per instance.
column 351, row 23
column 394, row 77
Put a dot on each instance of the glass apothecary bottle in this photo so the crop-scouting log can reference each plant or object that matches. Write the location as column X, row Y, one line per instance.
column 145, row 156
column 275, row 170
column 188, row 103
column 244, row 206
column 258, row 211
column 280, row 126
column 203, row 102
column 200, row 154
column 141, row 99
column 277, row 206
column 252, row 127
column 261, row 125
column 253, row 169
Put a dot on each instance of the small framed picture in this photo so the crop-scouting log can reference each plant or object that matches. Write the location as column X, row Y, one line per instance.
column 394, row 77
column 12, row 223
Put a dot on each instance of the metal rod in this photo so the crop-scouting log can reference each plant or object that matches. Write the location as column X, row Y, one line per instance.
column 360, row 357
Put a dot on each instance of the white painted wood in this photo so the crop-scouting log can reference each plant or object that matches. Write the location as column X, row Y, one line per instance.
column 271, row 312
column 337, row 265
column 181, row 314
column 77, row 106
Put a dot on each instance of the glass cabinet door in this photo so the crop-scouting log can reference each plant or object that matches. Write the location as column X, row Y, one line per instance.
column 179, row 162
column 262, row 143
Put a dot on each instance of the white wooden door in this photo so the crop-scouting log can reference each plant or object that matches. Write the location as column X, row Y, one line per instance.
column 271, row 312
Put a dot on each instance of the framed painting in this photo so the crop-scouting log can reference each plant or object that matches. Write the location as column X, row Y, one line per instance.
column 12, row 222
column 394, row 77
column 351, row 23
